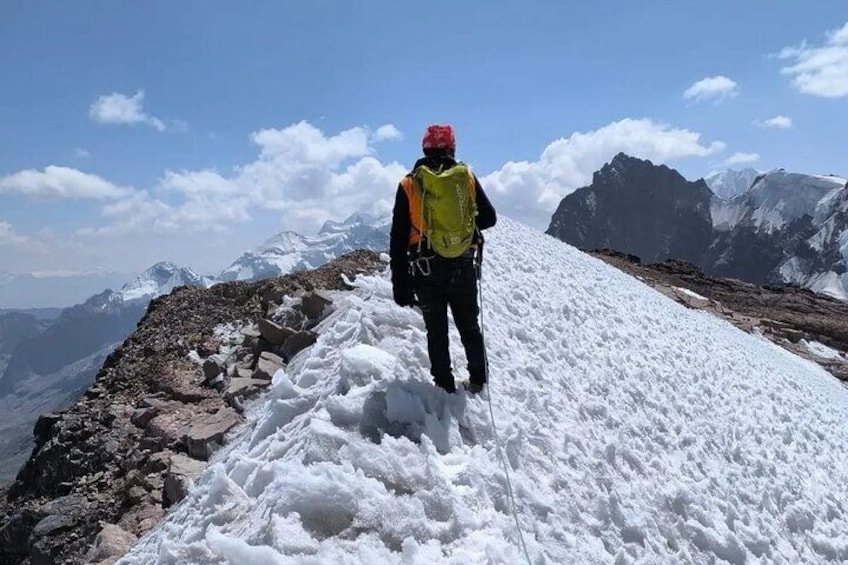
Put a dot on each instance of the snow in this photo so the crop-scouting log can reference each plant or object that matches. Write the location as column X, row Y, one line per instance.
column 780, row 197
column 833, row 179
column 825, row 206
column 731, row 183
column 726, row 214
column 823, row 236
column 636, row 432
column 821, row 350
column 829, row 283
column 796, row 271
column 691, row 293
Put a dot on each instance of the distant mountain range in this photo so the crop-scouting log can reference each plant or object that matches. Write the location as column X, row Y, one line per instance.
column 46, row 363
column 786, row 228
column 48, row 357
column 288, row 251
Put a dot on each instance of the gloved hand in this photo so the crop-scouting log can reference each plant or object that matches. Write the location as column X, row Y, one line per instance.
column 403, row 295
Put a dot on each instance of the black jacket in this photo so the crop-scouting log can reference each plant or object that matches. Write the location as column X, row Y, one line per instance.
column 401, row 224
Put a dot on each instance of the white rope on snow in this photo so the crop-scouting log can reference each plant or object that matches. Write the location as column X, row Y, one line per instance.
column 500, row 451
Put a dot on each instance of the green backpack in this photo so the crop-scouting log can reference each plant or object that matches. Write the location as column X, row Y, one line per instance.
column 448, row 207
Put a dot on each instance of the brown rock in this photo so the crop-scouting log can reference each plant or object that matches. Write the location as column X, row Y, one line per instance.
column 151, row 400
column 142, row 518
column 110, row 545
column 181, row 474
column 141, row 416
column 314, row 305
column 136, row 494
column 169, row 426
column 205, row 432
column 272, row 295
column 245, row 388
column 250, row 333
column 267, row 365
column 297, row 343
column 211, row 369
column 274, row 333
column 238, row 371
column 182, row 385
column 209, row 347
column 290, row 318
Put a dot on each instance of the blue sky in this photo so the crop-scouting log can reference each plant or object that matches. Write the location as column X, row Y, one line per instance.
column 191, row 131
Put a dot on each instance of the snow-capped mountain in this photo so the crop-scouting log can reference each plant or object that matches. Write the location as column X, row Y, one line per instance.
column 778, row 198
column 632, row 429
column 288, row 251
column 798, row 221
column 67, row 351
column 787, row 228
column 731, row 183
column 161, row 279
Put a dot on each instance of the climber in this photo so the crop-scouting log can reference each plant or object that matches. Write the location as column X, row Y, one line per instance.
column 436, row 250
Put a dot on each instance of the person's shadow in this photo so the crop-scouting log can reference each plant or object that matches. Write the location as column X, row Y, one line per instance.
column 412, row 409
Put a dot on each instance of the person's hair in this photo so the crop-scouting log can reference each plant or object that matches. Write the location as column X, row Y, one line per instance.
column 439, row 152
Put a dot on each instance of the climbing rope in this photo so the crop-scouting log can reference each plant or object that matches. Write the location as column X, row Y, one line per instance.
column 500, row 451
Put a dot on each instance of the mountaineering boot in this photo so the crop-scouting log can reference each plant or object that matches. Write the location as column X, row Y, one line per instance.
column 474, row 388
column 446, row 383
column 447, row 387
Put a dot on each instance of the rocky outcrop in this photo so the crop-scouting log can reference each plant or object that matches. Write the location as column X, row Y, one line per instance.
column 160, row 406
column 792, row 317
column 636, row 207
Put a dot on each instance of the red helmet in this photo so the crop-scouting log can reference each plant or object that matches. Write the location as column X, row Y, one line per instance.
column 439, row 137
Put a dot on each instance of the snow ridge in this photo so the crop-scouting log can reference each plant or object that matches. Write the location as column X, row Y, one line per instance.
column 636, row 431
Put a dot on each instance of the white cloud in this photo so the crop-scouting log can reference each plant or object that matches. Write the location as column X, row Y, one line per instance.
column 821, row 71
column 11, row 241
column 8, row 235
column 387, row 132
column 711, row 88
column 306, row 144
column 60, row 182
column 82, row 153
column 777, row 122
column 739, row 158
column 190, row 183
column 304, row 176
column 530, row 191
column 120, row 109
column 301, row 173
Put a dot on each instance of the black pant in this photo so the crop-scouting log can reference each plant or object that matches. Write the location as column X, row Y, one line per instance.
column 452, row 282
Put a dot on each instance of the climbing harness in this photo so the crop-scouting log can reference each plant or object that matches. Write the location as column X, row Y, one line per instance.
column 479, row 267
column 421, row 265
